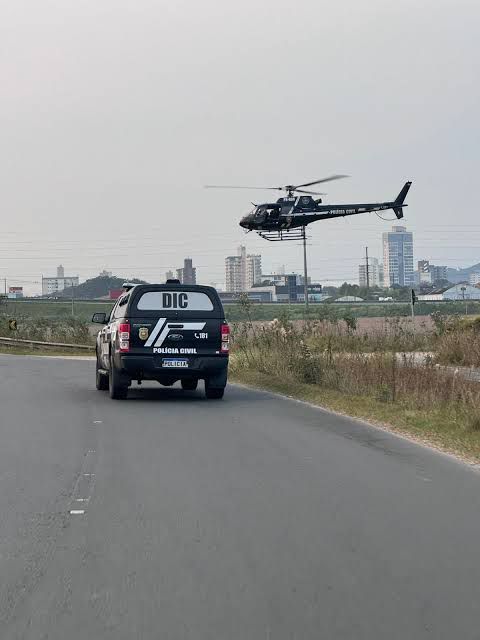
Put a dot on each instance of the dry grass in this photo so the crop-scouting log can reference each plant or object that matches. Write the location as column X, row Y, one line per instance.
column 68, row 330
column 459, row 347
column 420, row 398
column 391, row 334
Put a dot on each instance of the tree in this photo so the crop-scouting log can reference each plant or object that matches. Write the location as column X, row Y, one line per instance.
column 348, row 289
column 98, row 287
column 442, row 283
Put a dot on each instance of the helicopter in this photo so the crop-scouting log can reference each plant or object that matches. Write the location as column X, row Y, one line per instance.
column 287, row 218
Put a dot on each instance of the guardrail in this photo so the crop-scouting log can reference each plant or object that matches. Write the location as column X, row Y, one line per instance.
column 53, row 345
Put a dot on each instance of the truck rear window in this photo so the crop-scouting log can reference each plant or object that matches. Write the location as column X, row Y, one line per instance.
column 174, row 301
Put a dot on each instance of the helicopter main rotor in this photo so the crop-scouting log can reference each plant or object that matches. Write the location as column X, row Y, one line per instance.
column 290, row 189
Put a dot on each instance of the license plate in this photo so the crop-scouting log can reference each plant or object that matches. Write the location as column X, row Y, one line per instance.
column 175, row 363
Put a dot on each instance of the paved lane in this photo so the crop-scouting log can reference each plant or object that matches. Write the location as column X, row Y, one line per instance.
column 254, row 517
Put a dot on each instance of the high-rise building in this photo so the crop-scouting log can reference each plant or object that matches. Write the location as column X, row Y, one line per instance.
column 424, row 272
column 428, row 273
column 438, row 272
column 242, row 254
column 374, row 279
column 235, row 272
column 169, row 275
column 59, row 283
column 254, row 270
column 188, row 273
column 398, row 257
column 362, row 275
column 381, row 276
column 423, row 266
column 242, row 271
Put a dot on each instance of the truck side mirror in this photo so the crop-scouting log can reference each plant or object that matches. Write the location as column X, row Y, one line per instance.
column 99, row 318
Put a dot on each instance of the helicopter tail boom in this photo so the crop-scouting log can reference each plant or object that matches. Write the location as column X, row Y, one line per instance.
column 400, row 199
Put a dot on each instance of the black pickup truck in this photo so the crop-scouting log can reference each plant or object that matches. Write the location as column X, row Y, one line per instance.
column 165, row 332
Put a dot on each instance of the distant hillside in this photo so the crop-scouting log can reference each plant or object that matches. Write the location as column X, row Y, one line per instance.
column 98, row 287
column 460, row 275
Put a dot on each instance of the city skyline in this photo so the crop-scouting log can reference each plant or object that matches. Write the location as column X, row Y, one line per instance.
column 424, row 272
column 346, row 268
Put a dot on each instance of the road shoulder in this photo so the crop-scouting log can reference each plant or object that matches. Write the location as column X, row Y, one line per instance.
column 420, row 427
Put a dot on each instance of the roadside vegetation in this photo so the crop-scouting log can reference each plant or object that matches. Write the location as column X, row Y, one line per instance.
column 457, row 340
column 337, row 311
column 67, row 330
column 53, row 309
column 327, row 362
column 84, row 309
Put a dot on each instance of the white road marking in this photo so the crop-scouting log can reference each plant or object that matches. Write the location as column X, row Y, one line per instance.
column 97, row 422
column 88, row 461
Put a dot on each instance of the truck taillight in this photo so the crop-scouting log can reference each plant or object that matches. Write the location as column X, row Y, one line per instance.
column 225, row 338
column 124, row 337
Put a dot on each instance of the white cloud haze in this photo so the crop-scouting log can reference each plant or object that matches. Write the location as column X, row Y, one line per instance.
column 113, row 114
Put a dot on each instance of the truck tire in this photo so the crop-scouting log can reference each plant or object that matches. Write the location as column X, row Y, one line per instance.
column 213, row 393
column 101, row 381
column 189, row 385
column 117, row 386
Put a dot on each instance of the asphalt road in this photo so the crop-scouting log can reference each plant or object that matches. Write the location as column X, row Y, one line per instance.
column 250, row 518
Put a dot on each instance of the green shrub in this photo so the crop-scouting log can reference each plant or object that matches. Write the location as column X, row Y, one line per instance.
column 69, row 330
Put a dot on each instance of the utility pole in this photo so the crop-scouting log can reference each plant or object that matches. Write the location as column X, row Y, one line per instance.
column 413, row 299
column 465, row 300
column 305, row 276
column 367, row 269
column 73, row 312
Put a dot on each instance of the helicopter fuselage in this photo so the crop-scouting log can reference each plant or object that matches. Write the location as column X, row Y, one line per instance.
column 299, row 211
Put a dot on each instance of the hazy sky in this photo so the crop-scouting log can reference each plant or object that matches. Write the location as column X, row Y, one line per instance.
column 114, row 113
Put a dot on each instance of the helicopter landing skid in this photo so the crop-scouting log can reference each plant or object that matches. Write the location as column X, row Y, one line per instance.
column 283, row 234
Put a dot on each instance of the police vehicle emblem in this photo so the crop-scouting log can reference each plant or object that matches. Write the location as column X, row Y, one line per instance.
column 143, row 333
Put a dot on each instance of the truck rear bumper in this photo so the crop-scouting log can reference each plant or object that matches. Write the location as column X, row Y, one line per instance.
column 150, row 367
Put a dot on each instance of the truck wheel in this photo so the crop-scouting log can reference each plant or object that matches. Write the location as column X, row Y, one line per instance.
column 117, row 387
column 101, row 379
column 189, row 385
column 213, row 393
